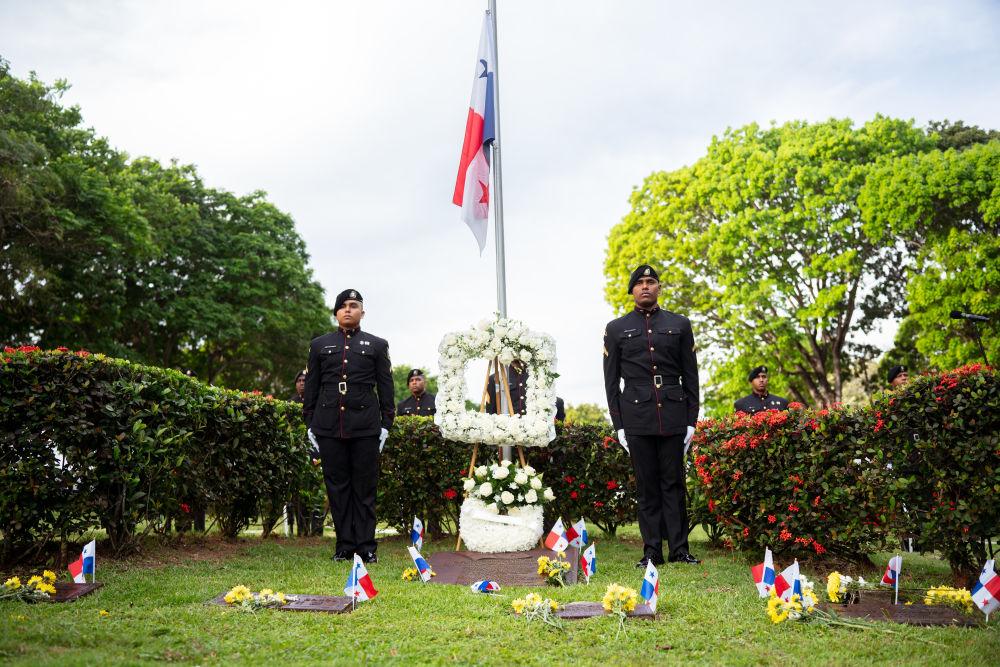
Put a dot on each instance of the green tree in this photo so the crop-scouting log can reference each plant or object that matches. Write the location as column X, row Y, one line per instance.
column 586, row 413
column 947, row 205
column 762, row 243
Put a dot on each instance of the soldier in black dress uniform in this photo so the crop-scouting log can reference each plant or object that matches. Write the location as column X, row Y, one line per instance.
column 517, row 378
column 349, row 409
column 760, row 399
column 655, row 414
column 420, row 402
column 897, row 377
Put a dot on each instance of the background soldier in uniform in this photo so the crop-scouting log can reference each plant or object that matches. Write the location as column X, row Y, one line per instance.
column 349, row 409
column 897, row 377
column 653, row 351
column 420, row 402
column 517, row 378
column 760, row 399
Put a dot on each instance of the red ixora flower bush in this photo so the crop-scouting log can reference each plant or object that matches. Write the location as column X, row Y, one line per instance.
column 836, row 480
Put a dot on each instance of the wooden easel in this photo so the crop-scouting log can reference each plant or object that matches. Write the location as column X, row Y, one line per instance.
column 497, row 373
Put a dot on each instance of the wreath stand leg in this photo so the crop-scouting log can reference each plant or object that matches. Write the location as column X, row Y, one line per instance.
column 493, row 371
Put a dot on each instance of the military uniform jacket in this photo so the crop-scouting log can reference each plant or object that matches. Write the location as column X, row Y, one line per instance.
column 349, row 385
column 518, row 382
column 422, row 407
column 753, row 403
column 653, row 351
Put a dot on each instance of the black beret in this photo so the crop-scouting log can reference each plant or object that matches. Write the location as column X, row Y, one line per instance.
column 755, row 371
column 641, row 271
column 895, row 371
column 347, row 294
column 301, row 374
column 416, row 372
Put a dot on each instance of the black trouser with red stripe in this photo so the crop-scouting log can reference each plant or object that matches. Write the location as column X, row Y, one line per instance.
column 350, row 472
column 658, row 462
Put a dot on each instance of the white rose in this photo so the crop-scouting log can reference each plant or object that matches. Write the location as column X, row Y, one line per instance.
column 531, row 497
column 486, row 490
column 528, row 470
column 501, row 473
column 520, row 478
column 469, row 485
column 492, row 507
column 507, row 497
column 482, row 471
column 505, row 463
column 536, row 483
column 548, row 495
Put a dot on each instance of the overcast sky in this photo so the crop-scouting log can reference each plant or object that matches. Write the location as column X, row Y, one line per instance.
column 351, row 117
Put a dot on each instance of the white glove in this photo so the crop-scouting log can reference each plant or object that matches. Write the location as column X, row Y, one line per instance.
column 687, row 439
column 312, row 438
column 623, row 442
column 381, row 440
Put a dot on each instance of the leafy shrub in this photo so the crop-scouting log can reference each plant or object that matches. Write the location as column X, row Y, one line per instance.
column 942, row 436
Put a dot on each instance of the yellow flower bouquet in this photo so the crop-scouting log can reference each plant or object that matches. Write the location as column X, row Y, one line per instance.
column 533, row 607
column 620, row 601
column 38, row 588
column 958, row 598
column 244, row 598
column 554, row 569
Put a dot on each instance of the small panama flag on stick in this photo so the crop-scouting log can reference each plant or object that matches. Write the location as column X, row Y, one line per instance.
column 556, row 539
column 422, row 567
column 359, row 585
column 588, row 562
column 891, row 576
column 650, row 590
column 417, row 534
column 986, row 592
column 577, row 534
column 85, row 564
column 763, row 575
column 788, row 583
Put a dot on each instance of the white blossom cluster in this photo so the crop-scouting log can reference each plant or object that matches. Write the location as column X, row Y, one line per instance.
column 486, row 532
column 502, row 486
column 507, row 340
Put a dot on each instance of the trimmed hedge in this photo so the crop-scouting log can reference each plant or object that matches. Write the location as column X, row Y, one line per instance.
column 923, row 462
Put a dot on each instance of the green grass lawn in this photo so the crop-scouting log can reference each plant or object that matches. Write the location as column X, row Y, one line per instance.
column 709, row 614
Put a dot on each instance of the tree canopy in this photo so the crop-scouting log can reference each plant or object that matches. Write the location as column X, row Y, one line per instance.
column 784, row 248
column 143, row 260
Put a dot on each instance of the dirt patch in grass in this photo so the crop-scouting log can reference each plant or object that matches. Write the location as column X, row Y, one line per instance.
column 161, row 553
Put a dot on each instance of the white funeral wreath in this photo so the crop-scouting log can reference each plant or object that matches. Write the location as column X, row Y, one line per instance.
column 507, row 340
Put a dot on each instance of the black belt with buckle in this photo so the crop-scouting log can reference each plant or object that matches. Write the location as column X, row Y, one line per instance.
column 658, row 381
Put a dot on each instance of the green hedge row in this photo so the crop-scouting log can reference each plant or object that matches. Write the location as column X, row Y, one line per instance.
column 89, row 441
column 920, row 462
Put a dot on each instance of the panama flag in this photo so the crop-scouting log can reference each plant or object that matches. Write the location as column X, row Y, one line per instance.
column 588, row 562
column 891, row 576
column 485, row 587
column 788, row 583
column 986, row 593
column 763, row 574
column 417, row 534
column 650, row 590
column 472, row 187
column 359, row 585
column 577, row 534
column 556, row 539
column 422, row 567
column 85, row 564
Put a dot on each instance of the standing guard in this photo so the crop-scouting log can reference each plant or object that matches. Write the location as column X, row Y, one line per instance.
column 759, row 399
column 349, row 408
column 655, row 414
column 420, row 402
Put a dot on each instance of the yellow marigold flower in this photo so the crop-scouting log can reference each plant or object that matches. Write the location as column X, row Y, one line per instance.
column 267, row 591
column 13, row 583
column 554, row 605
column 104, row 612
column 833, row 587
column 518, row 605
column 561, row 554
column 46, row 587
column 280, row 597
column 50, row 575
column 34, row 581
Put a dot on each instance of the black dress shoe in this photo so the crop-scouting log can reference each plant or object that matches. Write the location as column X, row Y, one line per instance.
column 341, row 556
column 641, row 565
column 369, row 557
column 684, row 557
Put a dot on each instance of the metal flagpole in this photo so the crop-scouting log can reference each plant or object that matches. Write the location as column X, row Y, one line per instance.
column 497, row 177
column 497, row 200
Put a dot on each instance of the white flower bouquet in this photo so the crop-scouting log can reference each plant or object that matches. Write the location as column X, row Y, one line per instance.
column 503, row 486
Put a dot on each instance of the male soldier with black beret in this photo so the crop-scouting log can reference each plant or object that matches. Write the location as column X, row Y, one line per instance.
column 349, row 409
column 898, row 377
column 420, row 402
column 653, row 351
column 760, row 399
